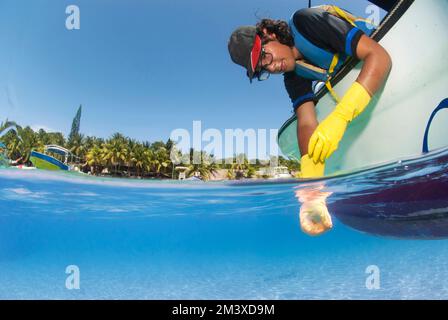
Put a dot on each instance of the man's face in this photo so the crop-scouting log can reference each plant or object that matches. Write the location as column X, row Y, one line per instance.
column 283, row 59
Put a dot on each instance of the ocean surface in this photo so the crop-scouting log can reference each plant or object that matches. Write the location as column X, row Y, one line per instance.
column 133, row 239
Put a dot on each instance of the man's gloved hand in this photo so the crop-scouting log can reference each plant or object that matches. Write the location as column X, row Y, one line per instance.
column 325, row 139
column 310, row 169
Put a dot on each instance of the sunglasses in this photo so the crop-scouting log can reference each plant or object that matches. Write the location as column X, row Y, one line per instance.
column 266, row 59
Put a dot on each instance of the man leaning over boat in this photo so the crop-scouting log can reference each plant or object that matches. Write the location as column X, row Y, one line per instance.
column 313, row 46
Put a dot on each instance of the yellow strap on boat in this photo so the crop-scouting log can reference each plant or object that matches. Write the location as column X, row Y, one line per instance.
column 332, row 92
column 334, row 63
column 335, row 10
column 343, row 15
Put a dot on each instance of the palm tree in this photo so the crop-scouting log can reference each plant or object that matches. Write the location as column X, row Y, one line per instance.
column 213, row 167
column 161, row 161
column 56, row 138
column 148, row 160
column 240, row 165
column 251, row 172
column 6, row 126
column 26, row 141
column 90, row 142
column 132, row 145
column 43, row 137
column 95, row 158
column 231, row 174
column 8, row 134
column 157, row 145
column 115, row 151
column 139, row 158
column 205, row 168
column 77, row 146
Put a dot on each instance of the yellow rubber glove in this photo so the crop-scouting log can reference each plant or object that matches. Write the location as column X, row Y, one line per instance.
column 325, row 139
column 310, row 169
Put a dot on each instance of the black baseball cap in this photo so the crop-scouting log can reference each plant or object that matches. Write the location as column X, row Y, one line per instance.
column 245, row 49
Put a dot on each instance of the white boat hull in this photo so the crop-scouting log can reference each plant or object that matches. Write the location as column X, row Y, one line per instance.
column 394, row 124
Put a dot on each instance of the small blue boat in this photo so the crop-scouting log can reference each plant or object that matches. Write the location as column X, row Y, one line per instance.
column 47, row 161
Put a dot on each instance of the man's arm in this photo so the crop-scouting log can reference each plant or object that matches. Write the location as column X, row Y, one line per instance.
column 303, row 101
column 377, row 64
column 306, row 124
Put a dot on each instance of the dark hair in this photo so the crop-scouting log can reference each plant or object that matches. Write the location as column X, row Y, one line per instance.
column 279, row 27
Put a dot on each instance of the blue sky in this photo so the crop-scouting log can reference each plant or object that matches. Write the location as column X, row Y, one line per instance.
column 143, row 68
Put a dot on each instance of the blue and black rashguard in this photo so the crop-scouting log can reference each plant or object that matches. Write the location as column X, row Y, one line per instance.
column 327, row 32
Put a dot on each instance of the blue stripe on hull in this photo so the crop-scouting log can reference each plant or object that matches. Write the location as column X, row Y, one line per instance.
column 49, row 159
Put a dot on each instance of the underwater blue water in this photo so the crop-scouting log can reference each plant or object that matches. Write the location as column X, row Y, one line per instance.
column 135, row 239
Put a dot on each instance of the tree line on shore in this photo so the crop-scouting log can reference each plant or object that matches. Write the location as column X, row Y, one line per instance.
column 123, row 156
